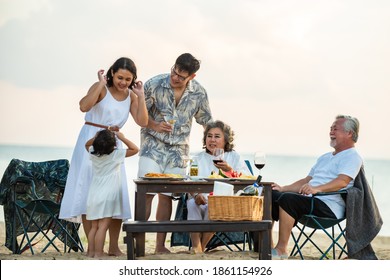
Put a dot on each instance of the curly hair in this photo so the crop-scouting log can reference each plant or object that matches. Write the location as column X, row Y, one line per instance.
column 104, row 143
column 228, row 134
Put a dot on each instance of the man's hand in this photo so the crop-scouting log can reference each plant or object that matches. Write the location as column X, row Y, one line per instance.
column 308, row 189
column 276, row 187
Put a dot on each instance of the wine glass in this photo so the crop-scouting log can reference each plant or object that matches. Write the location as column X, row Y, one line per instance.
column 187, row 164
column 171, row 120
column 218, row 155
column 259, row 160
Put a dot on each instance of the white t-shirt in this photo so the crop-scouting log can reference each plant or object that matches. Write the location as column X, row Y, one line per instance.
column 328, row 167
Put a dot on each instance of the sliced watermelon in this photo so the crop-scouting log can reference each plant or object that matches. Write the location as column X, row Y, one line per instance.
column 229, row 174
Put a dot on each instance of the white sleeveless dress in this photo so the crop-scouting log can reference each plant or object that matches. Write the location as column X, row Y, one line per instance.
column 105, row 192
column 108, row 112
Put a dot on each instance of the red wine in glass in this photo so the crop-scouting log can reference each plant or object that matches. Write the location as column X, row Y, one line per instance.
column 259, row 160
column 218, row 155
column 259, row 166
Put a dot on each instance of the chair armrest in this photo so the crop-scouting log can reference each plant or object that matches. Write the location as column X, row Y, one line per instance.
column 330, row 193
column 324, row 194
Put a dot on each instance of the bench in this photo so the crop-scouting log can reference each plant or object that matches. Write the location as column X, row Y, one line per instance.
column 262, row 228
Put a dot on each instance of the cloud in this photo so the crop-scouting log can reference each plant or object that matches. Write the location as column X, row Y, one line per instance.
column 19, row 9
column 293, row 61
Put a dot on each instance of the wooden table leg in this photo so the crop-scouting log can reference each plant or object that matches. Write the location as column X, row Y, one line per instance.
column 140, row 215
column 265, row 245
column 129, row 240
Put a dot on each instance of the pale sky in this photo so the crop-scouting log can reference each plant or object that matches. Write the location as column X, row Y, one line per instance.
column 277, row 71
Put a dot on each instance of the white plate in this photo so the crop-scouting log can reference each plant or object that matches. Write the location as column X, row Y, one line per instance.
column 162, row 178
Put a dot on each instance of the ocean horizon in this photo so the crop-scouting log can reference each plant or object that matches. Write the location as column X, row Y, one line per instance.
column 283, row 169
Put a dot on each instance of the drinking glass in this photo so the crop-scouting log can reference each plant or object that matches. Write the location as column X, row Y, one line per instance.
column 171, row 120
column 187, row 164
column 259, row 160
column 218, row 155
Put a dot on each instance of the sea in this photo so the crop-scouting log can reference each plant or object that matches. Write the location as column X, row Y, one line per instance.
column 282, row 169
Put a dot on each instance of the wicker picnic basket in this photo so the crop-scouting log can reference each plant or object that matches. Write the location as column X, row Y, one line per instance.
column 235, row 208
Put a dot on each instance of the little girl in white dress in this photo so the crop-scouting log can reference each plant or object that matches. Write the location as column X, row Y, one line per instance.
column 105, row 192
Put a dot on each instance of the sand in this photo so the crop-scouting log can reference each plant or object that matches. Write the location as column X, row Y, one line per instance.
column 380, row 244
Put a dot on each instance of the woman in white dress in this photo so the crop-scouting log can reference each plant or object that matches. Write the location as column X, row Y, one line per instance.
column 216, row 135
column 107, row 105
column 105, row 192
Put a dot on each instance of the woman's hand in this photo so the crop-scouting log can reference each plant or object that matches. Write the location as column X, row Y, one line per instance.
column 223, row 165
column 138, row 89
column 200, row 199
column 102, row 79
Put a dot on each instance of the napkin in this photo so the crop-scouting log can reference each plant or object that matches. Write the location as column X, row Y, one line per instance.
column 221, row 188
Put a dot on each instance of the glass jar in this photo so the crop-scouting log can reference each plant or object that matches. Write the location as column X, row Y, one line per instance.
column 194, row 167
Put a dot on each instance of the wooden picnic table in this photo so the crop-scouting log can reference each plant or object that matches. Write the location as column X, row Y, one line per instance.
column 143, row 187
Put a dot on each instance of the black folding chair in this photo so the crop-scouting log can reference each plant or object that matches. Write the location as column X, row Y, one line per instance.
column 334, row 229
column 31, row 193
column 42, row 217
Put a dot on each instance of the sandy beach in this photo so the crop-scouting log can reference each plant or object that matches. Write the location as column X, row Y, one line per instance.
column 380, row 244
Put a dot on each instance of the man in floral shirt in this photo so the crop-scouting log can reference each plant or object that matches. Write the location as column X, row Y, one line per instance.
column 173, row 100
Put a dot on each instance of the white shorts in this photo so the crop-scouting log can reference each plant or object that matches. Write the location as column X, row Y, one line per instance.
column 147, row 165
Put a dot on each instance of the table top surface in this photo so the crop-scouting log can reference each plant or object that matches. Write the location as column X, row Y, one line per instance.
column 196, row 182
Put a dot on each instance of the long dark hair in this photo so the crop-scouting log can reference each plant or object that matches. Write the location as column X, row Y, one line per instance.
column 122, row 63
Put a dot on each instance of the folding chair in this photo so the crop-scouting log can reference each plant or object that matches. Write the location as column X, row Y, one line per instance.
column 313, row 224
column 42, row 216
column 229, row 240
column 31, row 193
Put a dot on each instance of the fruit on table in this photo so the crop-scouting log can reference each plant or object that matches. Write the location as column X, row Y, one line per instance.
column 229, row 174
